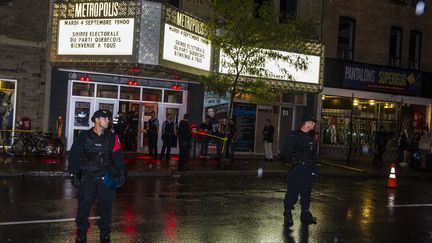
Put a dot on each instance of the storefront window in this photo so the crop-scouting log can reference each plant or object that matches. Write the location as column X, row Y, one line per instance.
column 83, row 89
column 129, row 93
column 173, row 96
column 366, row 116
column 7, row 106
column 107, row 91
column 152, row 95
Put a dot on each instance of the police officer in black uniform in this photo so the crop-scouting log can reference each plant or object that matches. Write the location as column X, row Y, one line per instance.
column 95, row 153
column 152, row 134
column 299, row 149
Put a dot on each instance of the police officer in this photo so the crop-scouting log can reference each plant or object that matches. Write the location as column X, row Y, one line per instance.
column 93, row 154
column 299, row 149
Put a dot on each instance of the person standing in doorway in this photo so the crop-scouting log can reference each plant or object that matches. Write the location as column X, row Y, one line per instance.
column 95, row 153
column 299, row 149
column 268, row 134
column 120, row 125
column 185, row 141
column 152, row 134
column 169, row 137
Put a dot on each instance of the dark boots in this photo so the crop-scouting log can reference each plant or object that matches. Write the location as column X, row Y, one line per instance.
column 288, row 220
column 81, row 237
column 105, row 237
column 307, row 218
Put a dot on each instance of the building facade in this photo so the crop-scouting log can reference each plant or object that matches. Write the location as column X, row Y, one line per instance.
column 376, row 76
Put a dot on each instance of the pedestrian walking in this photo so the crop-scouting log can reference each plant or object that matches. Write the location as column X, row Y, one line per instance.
column 425, row 148
column 402, row 147
column 96, row 166
column 152, row 134
column 207, row 128
column 268, row 133
column 185, row 141
column 299, row 149
column 381, row 139
column 169, row 137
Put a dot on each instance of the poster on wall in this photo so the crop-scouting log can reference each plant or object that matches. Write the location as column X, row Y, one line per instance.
column 215, row 106
column 245, row 115
column 82, row 114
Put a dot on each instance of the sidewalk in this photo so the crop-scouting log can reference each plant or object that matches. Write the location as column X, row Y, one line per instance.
column 142, row 165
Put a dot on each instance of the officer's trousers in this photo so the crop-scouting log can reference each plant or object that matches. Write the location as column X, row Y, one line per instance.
column 184, row 152
column 152, row 144
column 90, row 189
column 300, row 180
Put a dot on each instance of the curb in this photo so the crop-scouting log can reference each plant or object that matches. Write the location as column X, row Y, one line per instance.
column 266, row 173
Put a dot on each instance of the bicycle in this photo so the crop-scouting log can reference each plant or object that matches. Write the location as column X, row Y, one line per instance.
column 29, row 143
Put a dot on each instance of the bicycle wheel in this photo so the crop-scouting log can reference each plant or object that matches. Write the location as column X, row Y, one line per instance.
column 59, row 148
column 14, row 146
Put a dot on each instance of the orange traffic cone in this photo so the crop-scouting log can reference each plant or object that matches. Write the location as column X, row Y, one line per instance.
column 392, row 183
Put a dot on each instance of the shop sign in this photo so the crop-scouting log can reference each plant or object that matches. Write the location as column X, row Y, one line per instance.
column 276, row 69
column 184, row 47
column 95, row 31
column 381, row 79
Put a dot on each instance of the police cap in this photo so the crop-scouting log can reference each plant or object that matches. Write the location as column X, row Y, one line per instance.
column 100, row 113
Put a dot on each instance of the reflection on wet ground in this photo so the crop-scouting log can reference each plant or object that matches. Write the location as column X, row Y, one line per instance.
column 221, row 209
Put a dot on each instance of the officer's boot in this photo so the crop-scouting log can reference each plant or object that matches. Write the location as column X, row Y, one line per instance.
column 307, row 218
column 81, row 237
column 288, row 220
column 105, row 237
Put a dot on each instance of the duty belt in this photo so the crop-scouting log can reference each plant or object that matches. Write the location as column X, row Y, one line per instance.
column 297, row 163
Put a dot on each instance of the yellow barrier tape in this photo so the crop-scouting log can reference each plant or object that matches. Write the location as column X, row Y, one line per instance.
column 224, row 139
column 1, row 130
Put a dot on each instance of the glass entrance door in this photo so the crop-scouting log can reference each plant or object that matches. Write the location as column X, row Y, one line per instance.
column 80, row 113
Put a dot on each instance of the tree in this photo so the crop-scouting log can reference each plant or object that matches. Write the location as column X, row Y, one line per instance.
column 248, row 34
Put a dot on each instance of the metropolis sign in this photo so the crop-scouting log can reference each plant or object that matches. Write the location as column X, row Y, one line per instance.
column 96, row 37
column 95, row 30
column 186, row 48
column 184, row 41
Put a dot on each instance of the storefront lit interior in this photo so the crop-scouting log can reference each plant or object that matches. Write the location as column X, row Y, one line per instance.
column 349, row 123
column 136, row 98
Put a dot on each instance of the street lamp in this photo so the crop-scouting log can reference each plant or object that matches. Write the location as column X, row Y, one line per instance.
column 420, row 6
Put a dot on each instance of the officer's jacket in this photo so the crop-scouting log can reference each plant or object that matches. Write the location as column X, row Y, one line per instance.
column 299, row 147
column 95, row 153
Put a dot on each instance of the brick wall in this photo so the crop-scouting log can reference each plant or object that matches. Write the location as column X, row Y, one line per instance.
column 23, row 33
column 30, row 80
column 372, row 34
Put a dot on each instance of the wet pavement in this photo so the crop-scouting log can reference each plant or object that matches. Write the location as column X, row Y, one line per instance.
column 222, row 209
column 143, row 165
